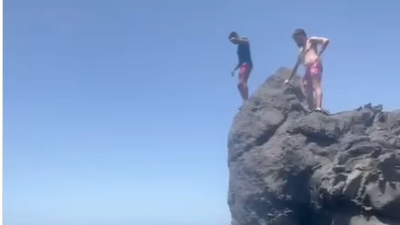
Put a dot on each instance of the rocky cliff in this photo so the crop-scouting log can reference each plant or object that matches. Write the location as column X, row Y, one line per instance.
column 291, row 167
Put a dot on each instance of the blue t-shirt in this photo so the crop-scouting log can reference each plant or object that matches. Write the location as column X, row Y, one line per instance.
column 244, row 53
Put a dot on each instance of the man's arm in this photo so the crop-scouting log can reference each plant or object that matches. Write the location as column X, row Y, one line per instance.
column 320, row 41
column 240, row 40
column 294, row 70
column 237, row 67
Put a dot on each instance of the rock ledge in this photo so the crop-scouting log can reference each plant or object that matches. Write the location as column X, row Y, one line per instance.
column 288, row 167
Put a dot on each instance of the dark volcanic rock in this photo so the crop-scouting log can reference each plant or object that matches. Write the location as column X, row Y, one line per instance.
column 288, row 167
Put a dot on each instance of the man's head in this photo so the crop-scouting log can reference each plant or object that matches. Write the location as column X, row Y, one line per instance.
column 300, row 37
column 233, row 36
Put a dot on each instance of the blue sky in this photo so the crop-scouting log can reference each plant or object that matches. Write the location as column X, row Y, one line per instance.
column 117, row 112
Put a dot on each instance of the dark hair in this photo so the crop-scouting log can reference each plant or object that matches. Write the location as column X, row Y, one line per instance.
column 299, row 31
column 233, row 34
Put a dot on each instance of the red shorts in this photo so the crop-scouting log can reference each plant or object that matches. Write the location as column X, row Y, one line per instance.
column 245, row 70
column 314, row 70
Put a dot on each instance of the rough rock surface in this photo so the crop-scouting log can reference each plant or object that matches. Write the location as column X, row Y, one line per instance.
column 288, row 167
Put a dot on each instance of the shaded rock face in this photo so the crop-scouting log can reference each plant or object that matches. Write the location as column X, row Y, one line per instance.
column 288, row 167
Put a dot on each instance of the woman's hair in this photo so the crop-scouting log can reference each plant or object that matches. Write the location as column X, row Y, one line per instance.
column 233, row 34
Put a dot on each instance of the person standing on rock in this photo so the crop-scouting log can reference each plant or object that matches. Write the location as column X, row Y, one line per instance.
column 310, row 57
column 245, row 63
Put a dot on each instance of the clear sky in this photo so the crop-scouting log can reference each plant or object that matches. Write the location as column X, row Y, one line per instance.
column 117, row 112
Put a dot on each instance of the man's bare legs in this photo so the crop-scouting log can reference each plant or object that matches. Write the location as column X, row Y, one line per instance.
column 243, row 87
column 308, row 92
column 316, row 83
column 244, row 74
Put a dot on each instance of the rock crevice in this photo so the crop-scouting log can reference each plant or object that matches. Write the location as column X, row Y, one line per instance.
column 291, row 167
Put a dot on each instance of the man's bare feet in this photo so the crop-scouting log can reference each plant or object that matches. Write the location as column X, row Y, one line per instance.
column 323, row 111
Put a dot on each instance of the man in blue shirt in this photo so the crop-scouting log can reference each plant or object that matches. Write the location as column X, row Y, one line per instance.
column 245, row 63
